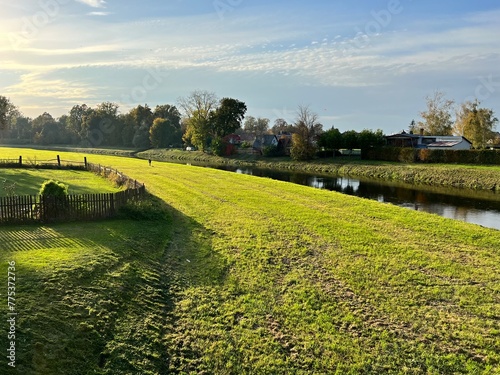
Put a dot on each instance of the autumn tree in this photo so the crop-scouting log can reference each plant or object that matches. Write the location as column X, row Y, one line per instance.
column 476, row 124
column 197, row 108
column 308, row 128
column 437, row 119
column 256, row 126
column 281, row 126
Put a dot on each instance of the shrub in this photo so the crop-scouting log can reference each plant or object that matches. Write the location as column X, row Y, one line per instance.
column 271, row 151
column 51, row 188
column 54, row 204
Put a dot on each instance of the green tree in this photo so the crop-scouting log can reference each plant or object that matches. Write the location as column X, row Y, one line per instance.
column 437, row 119
column 350, row 140
column 47, row 130
column 368, row 138
column 8, row 112
column 330, row 140
column 21, row 129
column 197, row 131
column 168, row 112
column 197, row 108
column 226, row 118
column 308, row 129
column 74, row 121
column 163, row 133
column 476, row 124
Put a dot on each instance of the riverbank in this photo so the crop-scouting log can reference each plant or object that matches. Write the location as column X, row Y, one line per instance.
column 458, row 176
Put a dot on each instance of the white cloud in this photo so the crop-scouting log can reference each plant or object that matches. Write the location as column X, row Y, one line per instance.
column 99, row 14
column 94, row 3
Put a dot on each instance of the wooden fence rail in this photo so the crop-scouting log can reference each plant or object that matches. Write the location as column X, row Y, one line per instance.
column 37, row 208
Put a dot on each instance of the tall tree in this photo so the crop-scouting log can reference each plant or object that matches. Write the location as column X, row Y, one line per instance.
column 197, row 131
column 100, row 126
column 197, row 108
column 227, row 117
column 256, row 126
column 437, row 119
column 476, row 124
column 304, row 144
column 368, row 138
column 164, row 134
column 281, row 127
column 330, row 140
column 74, row 121
column 198, row 103
column 8, row 112
column 168, row 112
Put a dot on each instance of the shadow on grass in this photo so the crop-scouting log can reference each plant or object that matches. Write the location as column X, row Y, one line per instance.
column 98, row 297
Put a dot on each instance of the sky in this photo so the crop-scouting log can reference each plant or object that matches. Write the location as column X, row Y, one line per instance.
column 357, row 64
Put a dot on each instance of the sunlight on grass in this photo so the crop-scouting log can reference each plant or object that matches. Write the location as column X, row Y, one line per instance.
column 250, row 275
column 28, row 181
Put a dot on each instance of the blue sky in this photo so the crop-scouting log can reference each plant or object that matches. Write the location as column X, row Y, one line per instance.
column 357, row 64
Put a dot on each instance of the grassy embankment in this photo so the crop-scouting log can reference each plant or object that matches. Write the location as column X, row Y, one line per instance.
column 460, row 176
column 251, row 275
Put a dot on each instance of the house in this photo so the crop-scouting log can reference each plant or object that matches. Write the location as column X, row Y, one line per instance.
column 434, row 142
column 263, row 141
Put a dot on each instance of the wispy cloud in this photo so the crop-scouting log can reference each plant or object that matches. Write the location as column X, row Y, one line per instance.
column 94, row 3
column 99, row 14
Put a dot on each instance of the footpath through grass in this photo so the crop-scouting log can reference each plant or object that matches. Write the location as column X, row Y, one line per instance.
column 255, row 276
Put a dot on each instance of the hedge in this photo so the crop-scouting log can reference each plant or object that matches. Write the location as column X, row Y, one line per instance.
column 412, row 155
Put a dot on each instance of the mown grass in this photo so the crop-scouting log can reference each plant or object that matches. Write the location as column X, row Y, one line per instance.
column 29, row 181
column 254, row 276
column 90, row 298
column 474, row 177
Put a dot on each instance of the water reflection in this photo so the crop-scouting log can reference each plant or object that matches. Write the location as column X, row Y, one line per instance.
column 481, row 208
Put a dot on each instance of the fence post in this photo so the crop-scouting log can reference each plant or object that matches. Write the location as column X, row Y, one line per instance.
column 21, row 161
column 58, row 161
column 85, row 162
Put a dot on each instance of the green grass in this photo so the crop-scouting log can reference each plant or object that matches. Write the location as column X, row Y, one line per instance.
column 255, row 276
column 474, row 177
column 29, row 181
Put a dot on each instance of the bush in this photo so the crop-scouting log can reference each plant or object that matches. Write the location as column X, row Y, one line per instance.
column 51, row 188
column 54, row 204
column 271, row 151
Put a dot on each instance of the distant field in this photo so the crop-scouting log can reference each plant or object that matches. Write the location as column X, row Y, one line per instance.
column 28, row 181
column 255, row 276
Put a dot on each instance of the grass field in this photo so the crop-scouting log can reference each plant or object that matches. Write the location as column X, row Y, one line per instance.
column 473, row 177
column 29, row 181
column 254, row 276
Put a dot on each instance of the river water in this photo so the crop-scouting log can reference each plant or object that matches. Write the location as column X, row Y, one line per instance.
column 477, row 207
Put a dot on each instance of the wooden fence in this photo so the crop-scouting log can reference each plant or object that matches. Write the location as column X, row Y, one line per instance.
column 74, row 207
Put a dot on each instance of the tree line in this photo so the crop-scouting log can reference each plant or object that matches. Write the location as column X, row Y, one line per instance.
column 204, row 123
column 206, row 120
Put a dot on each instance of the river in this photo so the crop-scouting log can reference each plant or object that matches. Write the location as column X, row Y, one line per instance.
column 477, row 207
